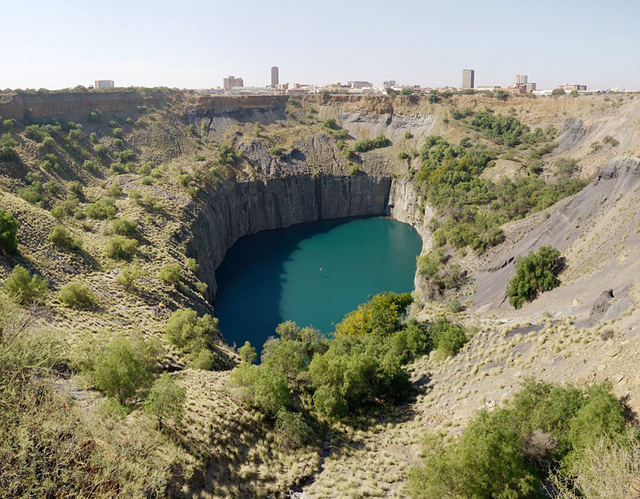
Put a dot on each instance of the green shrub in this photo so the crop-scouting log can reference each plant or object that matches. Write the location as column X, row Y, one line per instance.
column 292, row 430
column 264, row 389
column 64, row 240
column 118, row 133
column 123, row 368
column 33, row 194
column 367, row 145
column 115, row 190
column 447, row 338
column 171, row 273
column 189, row 332
column 535, row 273
column 77, row 296
column 331, row 124
column 165, row 400
column 128, row 276
column 124, row 227
column 192, row 265
column 7, row 151
column 100, row 210
column 120, row 248
column 58, row 212
column 23, row 287
column 8, row 233
column 485, row 463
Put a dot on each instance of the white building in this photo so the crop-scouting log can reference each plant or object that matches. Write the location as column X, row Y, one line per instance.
column 104, row 84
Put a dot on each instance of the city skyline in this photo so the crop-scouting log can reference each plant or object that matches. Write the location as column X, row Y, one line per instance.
column 162, row 43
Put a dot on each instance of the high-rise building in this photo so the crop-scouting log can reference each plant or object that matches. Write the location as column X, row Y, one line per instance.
column 231, row 82
column 275, row 76
column 521, row 80
column 468, row 78
column 104, row 84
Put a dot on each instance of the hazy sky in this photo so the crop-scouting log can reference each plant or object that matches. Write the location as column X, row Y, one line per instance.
column 195, row 43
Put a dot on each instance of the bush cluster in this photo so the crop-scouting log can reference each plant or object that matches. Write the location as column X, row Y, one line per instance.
column 368, row 144
column 535, row 273
column 25, row 288
column 193, row 335
column 8, row 233
column 510, row 451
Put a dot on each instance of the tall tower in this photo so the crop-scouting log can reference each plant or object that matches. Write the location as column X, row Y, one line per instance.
column 521, row 80
column 468, row 78
column 275, row 77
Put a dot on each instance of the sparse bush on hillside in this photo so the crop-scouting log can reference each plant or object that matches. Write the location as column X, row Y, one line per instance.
column 115, row 190
column 33, row 194
column 292, row 430
column 7, row 151
column 171, row 273
column 8, row 233
column 23, row 287
column 58, row 212
column 535, row 273
column 118, row 133
column 366, row 144
column 100, row 210
column 128, row 276
column 77, row 296
column 124, row 227
column 121, row 248
column 447, row 338
column 165, row 401
column 61, row 237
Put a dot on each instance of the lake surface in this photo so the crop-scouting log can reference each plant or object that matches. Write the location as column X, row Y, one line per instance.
column 312, row 273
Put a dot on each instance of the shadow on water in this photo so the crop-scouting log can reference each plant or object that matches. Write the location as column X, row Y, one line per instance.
column 251, row 280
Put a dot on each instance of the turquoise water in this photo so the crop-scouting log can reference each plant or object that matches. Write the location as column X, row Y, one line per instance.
column 312, row 274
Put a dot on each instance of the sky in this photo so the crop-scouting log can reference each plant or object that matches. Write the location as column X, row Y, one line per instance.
column 196, row 43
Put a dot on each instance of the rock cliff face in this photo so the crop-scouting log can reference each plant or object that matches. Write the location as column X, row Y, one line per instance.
column 237, row 209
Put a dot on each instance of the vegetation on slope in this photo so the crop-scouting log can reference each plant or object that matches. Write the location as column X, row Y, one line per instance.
column 545, row 428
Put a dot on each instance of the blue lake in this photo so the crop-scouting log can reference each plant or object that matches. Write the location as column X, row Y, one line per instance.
column 312, row 274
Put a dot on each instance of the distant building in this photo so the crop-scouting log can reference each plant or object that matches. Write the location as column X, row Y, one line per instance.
column 570, row 88
column 275, row 76
column 527, row 88
column 104, row 84
column 468, row 78
column 489, row 88
column 359, row 84
column 389, row 84
column 521, row 80
column 232, row 82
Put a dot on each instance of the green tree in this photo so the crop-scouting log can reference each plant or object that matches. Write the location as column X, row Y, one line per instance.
column 8, row 233
column 381, row 315
column 23, row 287
column 165, row 400
column 123, row 368
column 535, row 273
column 247, row 353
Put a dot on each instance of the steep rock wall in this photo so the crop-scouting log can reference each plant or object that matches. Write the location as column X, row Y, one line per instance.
column 237, row 209
column 77, row 104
